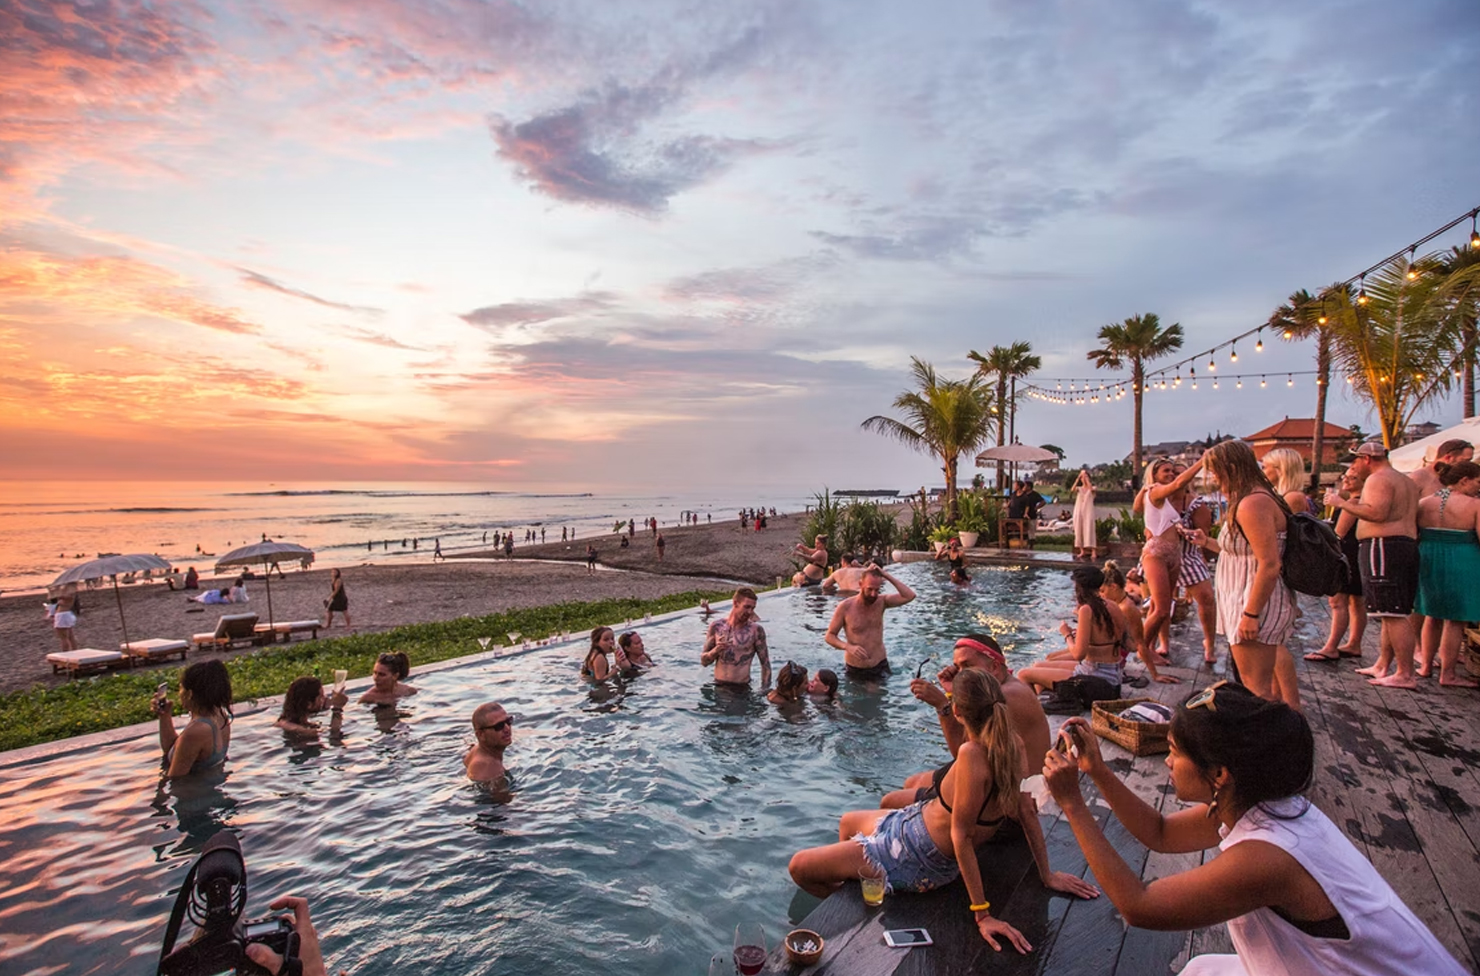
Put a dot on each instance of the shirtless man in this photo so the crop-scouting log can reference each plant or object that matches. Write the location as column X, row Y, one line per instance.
column 862, row 617
column 1387, row 533
column 816, row 565
column 845, row 578
column 1452, row 451
column 493, row 730
column 733, row 641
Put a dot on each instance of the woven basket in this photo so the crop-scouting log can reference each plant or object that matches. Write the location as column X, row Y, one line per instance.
column 1471, row 648
column 1139, row 738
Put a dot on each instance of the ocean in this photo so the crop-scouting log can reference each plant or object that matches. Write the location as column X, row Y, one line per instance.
column 47, row 527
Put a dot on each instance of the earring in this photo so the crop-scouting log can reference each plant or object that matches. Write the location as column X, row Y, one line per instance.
column 1213, row 804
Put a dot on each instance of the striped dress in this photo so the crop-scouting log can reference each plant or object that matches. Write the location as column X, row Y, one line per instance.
column 1194, row 566
column 1233, row 579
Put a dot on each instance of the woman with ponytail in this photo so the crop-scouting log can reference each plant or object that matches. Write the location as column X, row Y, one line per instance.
column 1298, row 898
column 931, row 843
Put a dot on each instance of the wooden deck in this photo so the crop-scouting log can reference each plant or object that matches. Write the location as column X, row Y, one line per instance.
column 1399, row 771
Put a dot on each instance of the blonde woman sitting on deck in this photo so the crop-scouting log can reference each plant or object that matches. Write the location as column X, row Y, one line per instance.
column 1298, row 898
column 928, row 844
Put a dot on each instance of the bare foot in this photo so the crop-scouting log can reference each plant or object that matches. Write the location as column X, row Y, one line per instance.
column 1452, row 682
column 1423, row 670
column 1395, row 681
column 1371, row 672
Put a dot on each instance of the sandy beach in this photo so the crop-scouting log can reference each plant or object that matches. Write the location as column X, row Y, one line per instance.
column 383, row 597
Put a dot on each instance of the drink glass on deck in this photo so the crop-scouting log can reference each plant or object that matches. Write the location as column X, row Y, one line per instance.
column 872, row 880
column 750, row 948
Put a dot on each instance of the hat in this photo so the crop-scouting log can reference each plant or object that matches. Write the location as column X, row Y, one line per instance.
column 1371, row 449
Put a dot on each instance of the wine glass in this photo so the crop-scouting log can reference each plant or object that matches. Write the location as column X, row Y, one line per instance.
column 483, row 642
column 750, row 948
column 340, row 677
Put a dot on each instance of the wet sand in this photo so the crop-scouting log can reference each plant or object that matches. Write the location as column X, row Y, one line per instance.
column 712, row 557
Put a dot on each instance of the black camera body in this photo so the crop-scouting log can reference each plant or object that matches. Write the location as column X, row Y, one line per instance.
column 212, row 896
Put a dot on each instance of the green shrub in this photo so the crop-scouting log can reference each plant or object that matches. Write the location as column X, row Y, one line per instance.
column 865, row 530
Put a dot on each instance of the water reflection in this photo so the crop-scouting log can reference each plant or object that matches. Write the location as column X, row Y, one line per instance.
column 200, row 806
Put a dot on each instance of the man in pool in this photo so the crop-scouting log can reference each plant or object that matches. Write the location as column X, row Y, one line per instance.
column 493, row 730
column 731, row 643
column 980, row 651
column 845, row 578
column 862, row 618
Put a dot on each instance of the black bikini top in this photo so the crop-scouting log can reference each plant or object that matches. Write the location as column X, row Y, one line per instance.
column 940, row 775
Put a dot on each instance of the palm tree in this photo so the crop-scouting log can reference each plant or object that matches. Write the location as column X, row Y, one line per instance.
column 1006, row 363
column 943, row 417
column 1398, row 346
column 1304, row 315
column 1138, row 339
column 1460, row 294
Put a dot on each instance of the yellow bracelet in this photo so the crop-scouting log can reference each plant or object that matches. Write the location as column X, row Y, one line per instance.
column 985, row 906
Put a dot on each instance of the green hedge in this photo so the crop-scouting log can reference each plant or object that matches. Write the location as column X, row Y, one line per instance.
column 111, row 701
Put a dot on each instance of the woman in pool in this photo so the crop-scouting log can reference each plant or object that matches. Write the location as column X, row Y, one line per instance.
column 596, row 667
column 387, row 675
column 631, row 654
column 791, row 684
column 205, row 692
column 1298, row 898
column 824, row 684
column 306, row 697
column 928, row 844
column 1095, row 645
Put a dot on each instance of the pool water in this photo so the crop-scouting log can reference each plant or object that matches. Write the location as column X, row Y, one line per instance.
column 647, row 819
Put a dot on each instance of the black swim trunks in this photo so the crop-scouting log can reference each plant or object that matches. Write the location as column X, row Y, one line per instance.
column 1389, row 567
column 876, row 673
column 809, row 581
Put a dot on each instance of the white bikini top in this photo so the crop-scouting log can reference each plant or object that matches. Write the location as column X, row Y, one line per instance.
column 1161, row 517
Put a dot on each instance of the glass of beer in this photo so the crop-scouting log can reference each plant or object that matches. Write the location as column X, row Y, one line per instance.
column 340, row 677
column 873, row 881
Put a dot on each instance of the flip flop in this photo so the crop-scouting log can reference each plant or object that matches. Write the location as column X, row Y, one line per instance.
column 1324, row 658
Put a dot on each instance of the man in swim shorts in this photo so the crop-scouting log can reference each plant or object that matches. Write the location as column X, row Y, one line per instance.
column 493, row 731
column 816, row 566
column 861, row 617
column 1387, row 547
column 731, row 643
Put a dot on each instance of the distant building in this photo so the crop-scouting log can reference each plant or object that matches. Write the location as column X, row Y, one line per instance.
column 1417, row 432
column 1297, row 435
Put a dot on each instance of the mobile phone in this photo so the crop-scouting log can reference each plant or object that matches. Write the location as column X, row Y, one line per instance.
column 1065, row 743
column 162, row 690
column 907, row 938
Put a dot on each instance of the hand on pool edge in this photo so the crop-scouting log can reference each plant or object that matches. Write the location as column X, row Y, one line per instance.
column 308, row 941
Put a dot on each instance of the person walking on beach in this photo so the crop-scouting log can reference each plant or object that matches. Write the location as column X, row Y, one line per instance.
column 338, row 600
column 590, row 559
column 509, row 545
column 661, row 543
column 731, row 644
column 437, row 552
column 861, row 617
column 64, row 619
column 1085, row 543
column 493, row 732
column 1387, row 547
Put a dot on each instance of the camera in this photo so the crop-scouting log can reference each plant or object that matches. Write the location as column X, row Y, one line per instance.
column 213, row 896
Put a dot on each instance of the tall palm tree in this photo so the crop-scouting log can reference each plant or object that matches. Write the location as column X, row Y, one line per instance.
column 1304, row 315
column 943, row 417
column 1397, row 347
column 1459, row 292
column 1004, row 364
column 1137, row 340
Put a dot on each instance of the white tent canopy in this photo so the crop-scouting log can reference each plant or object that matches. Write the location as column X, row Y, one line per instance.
column 1411, row 457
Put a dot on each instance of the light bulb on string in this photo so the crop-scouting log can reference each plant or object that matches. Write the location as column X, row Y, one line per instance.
column 1290, row 380
column 1412, row 265
column 1362, row 290
column 1233, row 356
column 1263, row 382
column 1215, row 383
column 1240, row 383
column 1288, row 334
column 1321, row 319
column 1212, row 364
column 1474, row 233
column 1259, row 346
column 1194, row 382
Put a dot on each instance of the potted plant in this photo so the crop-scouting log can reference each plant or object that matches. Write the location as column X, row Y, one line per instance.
column 971, row 520
column 941, row 536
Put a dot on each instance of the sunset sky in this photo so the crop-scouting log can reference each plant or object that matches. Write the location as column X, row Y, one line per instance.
column 612, row 244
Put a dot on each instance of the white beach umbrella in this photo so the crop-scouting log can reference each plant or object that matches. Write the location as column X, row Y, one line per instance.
column 1411, row 457
column 106, row 566
column 266, row 554
column 1016, row 453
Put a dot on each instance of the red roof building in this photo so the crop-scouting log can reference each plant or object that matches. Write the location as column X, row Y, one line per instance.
column 1297, row 435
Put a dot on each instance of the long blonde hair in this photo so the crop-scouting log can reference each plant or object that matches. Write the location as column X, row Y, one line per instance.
column 1239, row 475
column 983, row 710
column 1289, row 469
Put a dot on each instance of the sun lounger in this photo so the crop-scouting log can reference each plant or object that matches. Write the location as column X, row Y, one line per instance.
column 155, row 649
column 285, row 629
column 232, row 629
column 84, row 660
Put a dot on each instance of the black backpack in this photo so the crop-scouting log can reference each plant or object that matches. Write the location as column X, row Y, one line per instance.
column 1077, row 693
column 1313, row 563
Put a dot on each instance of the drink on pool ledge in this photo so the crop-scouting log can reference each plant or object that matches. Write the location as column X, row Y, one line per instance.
column 750, row 948
column 872, row 882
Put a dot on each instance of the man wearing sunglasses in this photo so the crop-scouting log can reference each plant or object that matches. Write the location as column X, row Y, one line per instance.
column 493, row 730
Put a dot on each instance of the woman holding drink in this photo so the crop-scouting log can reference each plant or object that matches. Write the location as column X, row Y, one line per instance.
column 306, row 697
column 205, row 692
column 928, row 844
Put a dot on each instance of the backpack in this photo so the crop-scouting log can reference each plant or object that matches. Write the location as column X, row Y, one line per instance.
column 1313, row 563
column 1076, row 693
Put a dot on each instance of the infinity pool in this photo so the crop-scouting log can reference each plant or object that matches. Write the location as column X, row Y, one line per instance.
column 647, row 819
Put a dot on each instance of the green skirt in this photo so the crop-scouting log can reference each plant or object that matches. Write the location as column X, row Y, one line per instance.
column 1448, row 574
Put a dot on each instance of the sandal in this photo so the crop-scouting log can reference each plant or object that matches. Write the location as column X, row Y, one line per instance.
column 1326, row 658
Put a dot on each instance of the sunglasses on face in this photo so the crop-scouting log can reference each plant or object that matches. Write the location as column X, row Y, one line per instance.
column 1208, row 697
column 497, row 726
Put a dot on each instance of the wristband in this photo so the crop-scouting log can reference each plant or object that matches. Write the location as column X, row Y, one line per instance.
column 985, row 906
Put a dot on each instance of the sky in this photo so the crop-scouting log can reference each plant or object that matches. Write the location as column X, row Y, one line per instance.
column 622, row 245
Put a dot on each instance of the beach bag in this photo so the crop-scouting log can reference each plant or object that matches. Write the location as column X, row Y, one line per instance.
column 1313, row 562
column 1077, row 693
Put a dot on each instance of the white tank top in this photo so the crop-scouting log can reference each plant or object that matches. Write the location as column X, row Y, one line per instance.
column 1161, row 517
column 1386, row 938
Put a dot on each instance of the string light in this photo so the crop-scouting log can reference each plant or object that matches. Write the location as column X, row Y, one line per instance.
column 1259, row 346
column 1233, row 356
column 1263, row 382
column 1211, row 364
column 1215, row 383
column 1362, row 291
column 1240, row 383
column 1474, row 234
column 1290, row 380
column 1412, row 265
column 1321, row 319
column 1288, row 333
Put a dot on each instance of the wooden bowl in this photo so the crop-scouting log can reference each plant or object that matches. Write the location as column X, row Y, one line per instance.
column 798, row 938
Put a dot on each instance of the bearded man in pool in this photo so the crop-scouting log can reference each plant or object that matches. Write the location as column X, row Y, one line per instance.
column 493, row 731
column 861, row 617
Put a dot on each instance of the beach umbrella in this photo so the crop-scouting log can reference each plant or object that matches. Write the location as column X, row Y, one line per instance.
column 1016, row 453
column 266, row 554
column 106, row 566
